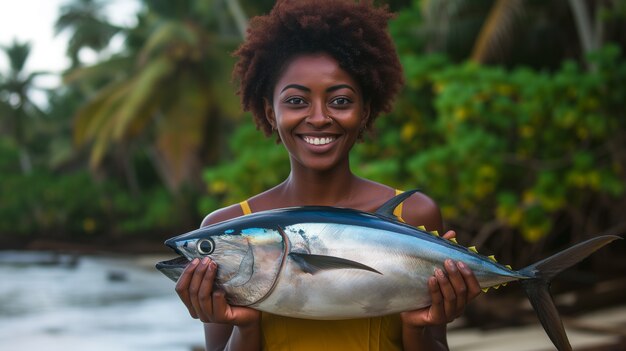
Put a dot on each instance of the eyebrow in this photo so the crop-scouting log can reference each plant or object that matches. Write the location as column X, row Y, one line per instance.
column 330, row 89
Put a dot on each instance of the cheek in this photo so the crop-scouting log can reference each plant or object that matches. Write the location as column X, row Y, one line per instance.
column 350, row 120
column 286, row 121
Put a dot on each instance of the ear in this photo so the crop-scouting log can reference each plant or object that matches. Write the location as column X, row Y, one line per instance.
column 269, row 113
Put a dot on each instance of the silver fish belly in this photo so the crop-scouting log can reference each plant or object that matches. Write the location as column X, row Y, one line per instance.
column 402, row 264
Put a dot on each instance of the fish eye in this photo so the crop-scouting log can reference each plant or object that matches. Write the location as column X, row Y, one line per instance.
column 205, row 246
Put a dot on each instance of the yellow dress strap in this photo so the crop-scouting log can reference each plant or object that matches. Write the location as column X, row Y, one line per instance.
column 245, row 207
column 398, row 210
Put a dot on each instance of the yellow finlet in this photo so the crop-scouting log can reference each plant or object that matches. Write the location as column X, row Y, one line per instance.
column 493, row 258
column 504, row 284
column 453, row 240
column 421, row 227
column 497, row 287
column 508, row 266
column 473, row 249
column 435, row 233
column 485, row 290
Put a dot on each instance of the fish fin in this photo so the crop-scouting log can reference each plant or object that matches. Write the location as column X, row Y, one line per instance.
column 386, row 210
column 435, row 233
column 492, row 258
column 422, row 228
column 473, row 249
column 453, row 240
column 316, row 263
column 538, row 284
column 485, row 289
column 508, row 266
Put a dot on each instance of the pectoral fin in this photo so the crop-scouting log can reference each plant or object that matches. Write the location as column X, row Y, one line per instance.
column 316, row 263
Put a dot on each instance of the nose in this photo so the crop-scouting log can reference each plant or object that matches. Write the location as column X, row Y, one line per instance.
column 318, row 117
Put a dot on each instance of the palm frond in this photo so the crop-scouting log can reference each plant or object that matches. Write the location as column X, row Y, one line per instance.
column 497, row 29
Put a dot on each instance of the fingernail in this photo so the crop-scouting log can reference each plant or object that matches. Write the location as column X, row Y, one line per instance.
column 212, row 265
column 195, row 261
column 439, row 273
column 205, row 261
column 461, row 265
column 450, row 265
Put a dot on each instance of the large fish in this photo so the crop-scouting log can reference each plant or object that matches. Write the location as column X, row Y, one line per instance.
column 333, row 263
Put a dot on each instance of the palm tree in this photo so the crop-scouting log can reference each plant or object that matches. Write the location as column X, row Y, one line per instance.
column 15, row 87
column 88, row 26
column 169, row 93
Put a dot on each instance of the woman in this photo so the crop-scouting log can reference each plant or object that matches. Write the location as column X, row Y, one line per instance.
column 318, row 73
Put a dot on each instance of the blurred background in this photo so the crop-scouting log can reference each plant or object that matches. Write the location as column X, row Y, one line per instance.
column 119, row 127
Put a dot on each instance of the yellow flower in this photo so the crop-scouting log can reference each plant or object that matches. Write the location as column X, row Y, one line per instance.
column 218, row 186
column 89, row 225
column 461, row 114
column 408, row 131
column 504, row 89
column 533, row 234
column 527, row 131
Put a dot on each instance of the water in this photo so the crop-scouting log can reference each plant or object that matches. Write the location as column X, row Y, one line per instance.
column 90, row 303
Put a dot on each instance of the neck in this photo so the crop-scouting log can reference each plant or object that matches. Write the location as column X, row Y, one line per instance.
column 323, row 188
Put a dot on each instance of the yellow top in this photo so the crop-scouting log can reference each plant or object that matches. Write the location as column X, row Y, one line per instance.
column 372, row 334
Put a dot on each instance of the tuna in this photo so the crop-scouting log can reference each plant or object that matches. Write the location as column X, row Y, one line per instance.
column 336, row 263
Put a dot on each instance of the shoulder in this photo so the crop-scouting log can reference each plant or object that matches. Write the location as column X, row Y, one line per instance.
column 222, row 214
column 419, row 209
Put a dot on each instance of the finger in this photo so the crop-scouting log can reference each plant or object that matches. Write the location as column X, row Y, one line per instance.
column 449, row 234
column 206, row 291
column 221, row 309
column 182, row 286
column 447, row 291
column 473, row 287
column 437, row 310
column 458, row 284
column 194, row 286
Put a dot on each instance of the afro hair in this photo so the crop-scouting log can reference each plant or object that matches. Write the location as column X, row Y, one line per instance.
column 353, row 33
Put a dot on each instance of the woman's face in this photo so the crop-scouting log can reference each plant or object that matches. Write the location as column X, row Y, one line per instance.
column 318, row 111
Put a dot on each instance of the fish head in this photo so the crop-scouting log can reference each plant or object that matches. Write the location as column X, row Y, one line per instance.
column 248, row 258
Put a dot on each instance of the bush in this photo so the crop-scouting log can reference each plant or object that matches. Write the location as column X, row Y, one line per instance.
column 73, row 205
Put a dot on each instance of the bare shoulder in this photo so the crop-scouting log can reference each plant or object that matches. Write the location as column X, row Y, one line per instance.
column 222, row 214
column 420, row 209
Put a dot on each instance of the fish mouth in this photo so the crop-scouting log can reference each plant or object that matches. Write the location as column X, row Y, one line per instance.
column 173, row 268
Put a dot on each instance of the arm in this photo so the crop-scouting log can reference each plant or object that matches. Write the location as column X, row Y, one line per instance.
column 225, row 327
column 450, row 291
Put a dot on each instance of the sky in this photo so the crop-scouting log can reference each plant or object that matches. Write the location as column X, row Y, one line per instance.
column 33, row 21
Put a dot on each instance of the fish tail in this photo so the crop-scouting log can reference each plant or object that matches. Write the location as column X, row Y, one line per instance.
column 537, row 287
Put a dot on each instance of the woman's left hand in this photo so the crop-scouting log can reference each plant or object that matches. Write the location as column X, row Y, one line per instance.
column 450, row 292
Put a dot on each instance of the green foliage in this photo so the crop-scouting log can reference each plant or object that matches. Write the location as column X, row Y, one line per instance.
column 257, row 163
column 72, row 204
column 515, row 146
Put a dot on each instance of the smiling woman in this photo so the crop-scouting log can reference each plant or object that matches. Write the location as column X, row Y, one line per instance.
column 318, row 74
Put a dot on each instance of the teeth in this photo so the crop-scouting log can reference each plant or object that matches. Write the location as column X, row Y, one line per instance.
column 318, row 141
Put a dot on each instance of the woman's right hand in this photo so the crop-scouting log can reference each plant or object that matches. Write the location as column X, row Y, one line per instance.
column 195, row 287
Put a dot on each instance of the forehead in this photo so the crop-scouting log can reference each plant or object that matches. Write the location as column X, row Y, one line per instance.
column 314, row 69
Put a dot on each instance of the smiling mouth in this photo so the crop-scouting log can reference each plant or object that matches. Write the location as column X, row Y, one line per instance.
column 318, row 141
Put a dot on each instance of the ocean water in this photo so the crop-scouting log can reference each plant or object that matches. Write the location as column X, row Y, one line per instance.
column 90, row 303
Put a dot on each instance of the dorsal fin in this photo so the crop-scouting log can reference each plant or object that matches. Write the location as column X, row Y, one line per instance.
column 386, row 210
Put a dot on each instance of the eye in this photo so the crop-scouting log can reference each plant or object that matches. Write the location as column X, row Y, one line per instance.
column 295, row 101
column 341, row 101
column 205, row 246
